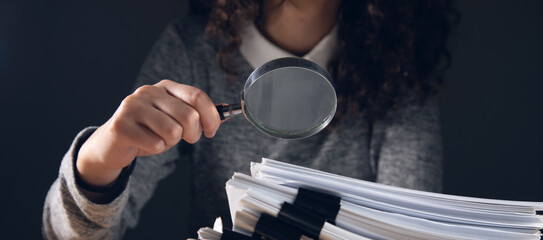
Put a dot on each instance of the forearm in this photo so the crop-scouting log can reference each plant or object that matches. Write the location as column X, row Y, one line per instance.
column 69, row 214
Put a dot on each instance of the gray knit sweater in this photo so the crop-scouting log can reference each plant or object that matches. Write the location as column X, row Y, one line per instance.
column 404, row 149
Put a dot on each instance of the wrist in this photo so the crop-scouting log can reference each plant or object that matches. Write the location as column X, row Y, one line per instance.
column 96, row 175
column 92, row 171
column 114, row 187
column 99, row 183
column 103, row 194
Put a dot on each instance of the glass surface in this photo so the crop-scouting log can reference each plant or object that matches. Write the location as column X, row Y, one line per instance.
column 290, row 102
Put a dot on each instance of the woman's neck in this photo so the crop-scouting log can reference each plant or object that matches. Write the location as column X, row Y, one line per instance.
column 298, row 25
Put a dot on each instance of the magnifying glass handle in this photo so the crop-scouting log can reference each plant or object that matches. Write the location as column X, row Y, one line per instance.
column 228, row 110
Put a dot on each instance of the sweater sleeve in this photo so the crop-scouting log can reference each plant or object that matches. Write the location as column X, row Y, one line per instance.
column 68, row 214
column 407, row 147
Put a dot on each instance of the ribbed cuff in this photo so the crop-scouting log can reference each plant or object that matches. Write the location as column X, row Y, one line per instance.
column 113, row 190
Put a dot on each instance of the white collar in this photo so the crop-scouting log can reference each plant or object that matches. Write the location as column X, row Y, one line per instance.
column 258, row 50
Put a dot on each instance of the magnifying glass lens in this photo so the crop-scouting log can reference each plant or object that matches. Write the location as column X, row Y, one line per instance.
column 287, row 98
column 290, row 101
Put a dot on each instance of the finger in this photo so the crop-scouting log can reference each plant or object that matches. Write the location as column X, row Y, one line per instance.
column 161, row 124
column 184, row 114
column 130, row 124
column 178, row 110
column 131, row 133
column 197, row 99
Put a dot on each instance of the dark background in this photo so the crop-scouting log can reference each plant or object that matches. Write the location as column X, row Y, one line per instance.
column 65, row 65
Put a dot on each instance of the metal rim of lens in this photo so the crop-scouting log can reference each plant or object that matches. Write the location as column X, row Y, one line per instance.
column 288, row 63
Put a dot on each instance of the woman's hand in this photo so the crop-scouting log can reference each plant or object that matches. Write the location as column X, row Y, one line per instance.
column 148, row 122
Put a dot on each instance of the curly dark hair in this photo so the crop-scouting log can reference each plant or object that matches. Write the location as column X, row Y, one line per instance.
column 387, row 49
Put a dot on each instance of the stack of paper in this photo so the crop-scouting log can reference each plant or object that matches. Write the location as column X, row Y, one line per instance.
column 285, row 201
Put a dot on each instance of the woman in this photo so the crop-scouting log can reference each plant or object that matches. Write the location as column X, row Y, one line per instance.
column 384, row 58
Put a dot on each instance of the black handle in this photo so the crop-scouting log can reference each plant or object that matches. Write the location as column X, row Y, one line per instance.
column 228, row 110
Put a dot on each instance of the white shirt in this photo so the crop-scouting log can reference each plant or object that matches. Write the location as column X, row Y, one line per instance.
column 258, row 50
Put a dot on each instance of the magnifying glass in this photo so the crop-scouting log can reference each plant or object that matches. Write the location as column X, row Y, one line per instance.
column 288, row 98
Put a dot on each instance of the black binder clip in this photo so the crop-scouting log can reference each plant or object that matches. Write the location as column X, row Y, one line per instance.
column 272, row 228
column 323, row 204
column 231, row 235
column 310, row 223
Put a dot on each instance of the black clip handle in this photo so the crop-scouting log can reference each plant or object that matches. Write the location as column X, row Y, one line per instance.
column 228, row 110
